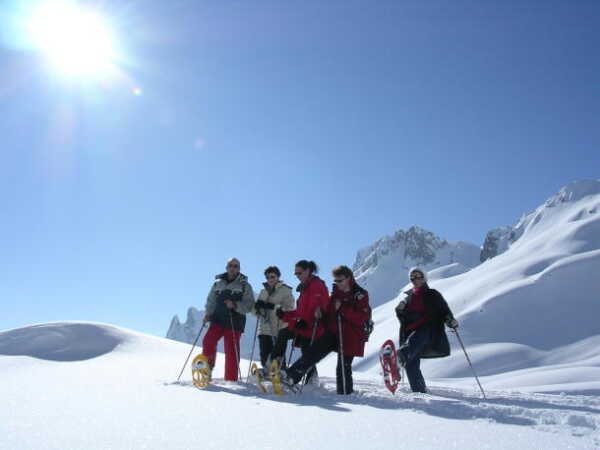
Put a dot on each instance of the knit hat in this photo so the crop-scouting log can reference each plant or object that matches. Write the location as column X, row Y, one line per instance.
column 418, row 269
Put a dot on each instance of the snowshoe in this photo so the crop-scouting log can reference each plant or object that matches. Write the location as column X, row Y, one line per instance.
column 276, row 379
column 389, row 365
column 201, row 371
column 259, row 377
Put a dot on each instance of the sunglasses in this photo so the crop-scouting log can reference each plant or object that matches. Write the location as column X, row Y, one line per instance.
column 416, row 278
column 298, row 273
column 271, row 277
column 339, row 280
column 233, row 266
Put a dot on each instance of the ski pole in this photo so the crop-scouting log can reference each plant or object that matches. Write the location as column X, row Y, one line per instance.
column 237, row 354
column 402, row 371
column 341, row 339
column 469, row 361
column 190, row 354
column 289, row 361
column 253, row 346
column 312, row 340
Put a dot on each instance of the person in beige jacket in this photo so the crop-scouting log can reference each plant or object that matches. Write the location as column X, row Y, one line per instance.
column 274, row 295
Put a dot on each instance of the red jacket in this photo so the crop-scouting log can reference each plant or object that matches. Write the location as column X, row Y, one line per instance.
column 313, row 294
column 354, row 312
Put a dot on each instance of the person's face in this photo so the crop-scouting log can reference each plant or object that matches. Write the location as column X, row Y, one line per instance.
column 417, row 279
column 272, row 279
column 301, row 274
column 233, row 268
column 342, row 283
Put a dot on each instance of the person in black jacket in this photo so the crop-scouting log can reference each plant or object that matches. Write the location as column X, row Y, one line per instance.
column 422, row 315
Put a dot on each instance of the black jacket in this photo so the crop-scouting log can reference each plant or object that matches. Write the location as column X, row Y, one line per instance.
column 438, row 312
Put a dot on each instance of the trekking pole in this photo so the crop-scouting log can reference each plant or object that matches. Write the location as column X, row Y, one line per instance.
column 289, row 361
column 312, row 340
column 469, row 361
column 190, row 354
column 237, row 354
column 402, row 371
column 253, row 346
column 341, row 353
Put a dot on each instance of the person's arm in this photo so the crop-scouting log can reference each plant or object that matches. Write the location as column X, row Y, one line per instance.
column 247, row 302
column 288, row 303
column 211, row 303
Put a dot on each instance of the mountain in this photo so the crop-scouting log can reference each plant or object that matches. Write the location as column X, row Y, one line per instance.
column 382, row 267
column 95, row 386
column 500, row 239
column 187, row 331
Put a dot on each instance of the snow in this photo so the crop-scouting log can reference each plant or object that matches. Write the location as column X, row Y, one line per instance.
column 127, row 397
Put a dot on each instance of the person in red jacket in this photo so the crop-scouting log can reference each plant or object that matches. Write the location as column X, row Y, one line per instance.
column 304, row 324
column 346, row 317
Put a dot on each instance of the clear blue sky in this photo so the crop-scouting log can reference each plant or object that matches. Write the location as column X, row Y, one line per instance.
column 275, row 131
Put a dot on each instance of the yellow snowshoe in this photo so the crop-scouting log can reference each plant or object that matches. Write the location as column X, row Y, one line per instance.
column 201, row 371
column 257, row 374
column 275, row 378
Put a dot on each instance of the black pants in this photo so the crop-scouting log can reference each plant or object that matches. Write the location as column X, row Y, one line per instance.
column 281, row 344
column 266, row 345
column 322, row 347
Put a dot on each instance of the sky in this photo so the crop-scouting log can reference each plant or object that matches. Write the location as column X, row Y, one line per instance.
column 277, row 131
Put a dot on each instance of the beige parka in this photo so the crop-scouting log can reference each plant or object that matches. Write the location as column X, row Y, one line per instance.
column 281, row 296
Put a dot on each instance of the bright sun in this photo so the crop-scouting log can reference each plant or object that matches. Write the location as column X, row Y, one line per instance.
column 76, row 41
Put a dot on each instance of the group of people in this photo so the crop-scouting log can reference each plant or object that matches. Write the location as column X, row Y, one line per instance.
column 320, row 322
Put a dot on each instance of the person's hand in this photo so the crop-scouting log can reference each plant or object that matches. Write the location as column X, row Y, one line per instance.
column 318, row 313
column 279, row 313
column 337, row 305
column 206, row 318
column 260, row 304
column 451, row 322
column 301, row 324
column 400, row 308
column 229, row 304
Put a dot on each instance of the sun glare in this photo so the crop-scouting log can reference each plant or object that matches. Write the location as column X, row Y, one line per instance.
column 76, row 41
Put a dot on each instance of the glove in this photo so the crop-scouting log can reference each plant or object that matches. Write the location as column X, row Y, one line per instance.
column 451, row 322
column 279, row 313
column 260, row 304
column 269, row 305
column 400, row 308
column 301, row 324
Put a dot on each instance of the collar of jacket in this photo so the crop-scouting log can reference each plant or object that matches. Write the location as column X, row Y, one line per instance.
column 304, row 285
column 223, row 276
column 270, row 289
column 425, row 289
column 355, row 290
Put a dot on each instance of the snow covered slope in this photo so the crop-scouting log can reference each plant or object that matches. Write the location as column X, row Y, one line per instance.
column 530, row 316
column 93, row 386
column 381, row 268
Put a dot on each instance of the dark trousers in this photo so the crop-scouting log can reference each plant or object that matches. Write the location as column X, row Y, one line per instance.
column 410, row 355
column 322, row 347
column 283, row 337
column 266, row 345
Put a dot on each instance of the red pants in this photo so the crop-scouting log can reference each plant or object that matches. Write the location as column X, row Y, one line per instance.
column 209, row 349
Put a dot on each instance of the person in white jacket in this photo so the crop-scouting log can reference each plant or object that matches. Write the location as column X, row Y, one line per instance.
column 275, row 294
